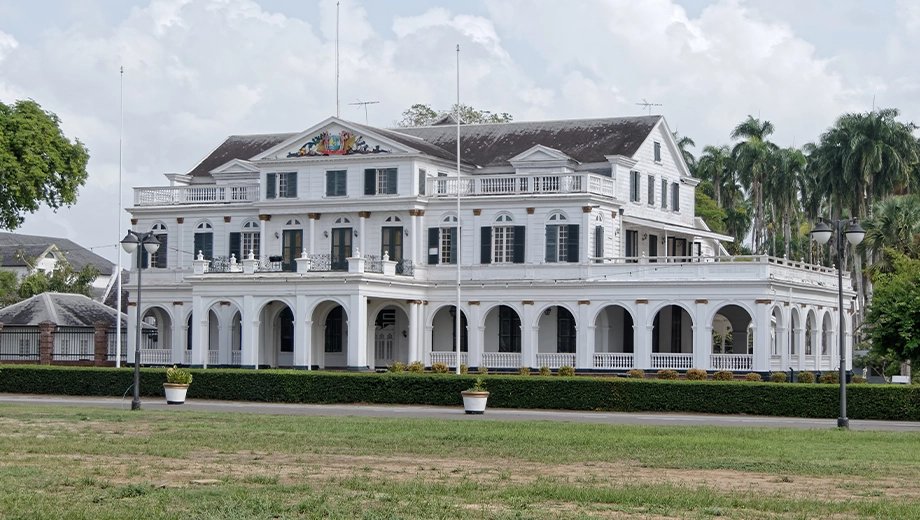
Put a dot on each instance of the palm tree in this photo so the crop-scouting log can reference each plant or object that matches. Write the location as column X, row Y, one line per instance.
column 894, row 225
column 786, row 167
column 751, row 158
column 715, row 166
column 684, row 142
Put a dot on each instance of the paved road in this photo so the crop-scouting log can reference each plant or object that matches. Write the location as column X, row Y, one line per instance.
column 456, row 413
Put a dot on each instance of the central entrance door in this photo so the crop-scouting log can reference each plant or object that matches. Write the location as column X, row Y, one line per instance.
column 291, row 245
column 391, row 241
column 341, row 248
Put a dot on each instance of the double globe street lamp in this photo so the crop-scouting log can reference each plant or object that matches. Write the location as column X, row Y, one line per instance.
column 151, row 245
column 822, row 233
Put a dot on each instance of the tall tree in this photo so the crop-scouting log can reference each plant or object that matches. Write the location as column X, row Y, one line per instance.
column 752, row 156
column 782, row 184
column 63, row 279
column 683, row 144
column 894, row 315
column 715, row 166
column 38, row 164
column 423, row 115
column 893, row 226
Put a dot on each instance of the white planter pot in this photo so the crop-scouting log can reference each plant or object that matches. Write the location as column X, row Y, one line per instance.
column 175, row 394
column 474, row 402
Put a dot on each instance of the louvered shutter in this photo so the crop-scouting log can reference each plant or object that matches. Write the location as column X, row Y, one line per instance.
column 433, row 236
column 518, row 254
column 291, row 185
column 236, row 245
column 370, row 181
column 573, row 243
column 485, row 251
column 552, row 235
column 270, row 185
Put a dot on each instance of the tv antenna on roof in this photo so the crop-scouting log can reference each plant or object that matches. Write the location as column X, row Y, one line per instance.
column 365, row 103
column 648, row 105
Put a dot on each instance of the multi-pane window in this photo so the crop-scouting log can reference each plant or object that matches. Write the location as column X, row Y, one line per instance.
column 651, row 190
column 634, row 181
column 280, row 185
column 333, row 331
column 204, row 241
column 443, row 241
column 158, row 259
column 657, row 151
column 447, row 246
column 509, row 330
column 675, row 197
column 380, row 181
column 245, row 241
column 664, row 194
column 502, row 240
column 561, row 239
column 336, row 183
column 566, row 334
column 632, row 245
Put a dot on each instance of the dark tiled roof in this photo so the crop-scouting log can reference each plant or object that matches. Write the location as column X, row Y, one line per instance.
column 237, row 147
column 33, row 245
column 66, row 310
column 415, row 142
column 585, row 140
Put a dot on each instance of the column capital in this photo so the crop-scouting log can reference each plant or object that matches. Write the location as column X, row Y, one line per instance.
column 264, row 217
column 530, row 211
column 180, row 220
column 477, row 212
column 314, row 216
column 364, row 214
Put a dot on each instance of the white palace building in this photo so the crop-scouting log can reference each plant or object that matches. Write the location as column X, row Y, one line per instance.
column 337, row 247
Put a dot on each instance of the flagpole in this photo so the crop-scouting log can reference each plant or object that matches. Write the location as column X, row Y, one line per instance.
column 457, row 245
column 121, row 131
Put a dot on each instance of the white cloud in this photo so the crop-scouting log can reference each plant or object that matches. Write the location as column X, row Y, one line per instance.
column 7, row 44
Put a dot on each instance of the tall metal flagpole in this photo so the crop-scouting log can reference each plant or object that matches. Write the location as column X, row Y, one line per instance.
column 337, row 113
column 457, row 245
column 121, row 132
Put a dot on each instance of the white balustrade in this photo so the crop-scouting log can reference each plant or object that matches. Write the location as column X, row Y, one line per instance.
column 521, row 184
column 151, row 356
column 236, row 357
column 555, row 360
column 613, row 360
column 501, row 359
column 449, row 358
column 733, row 362
column 188, row 357
column 776, row 363
column 672, row 361
column 809, row 363
column 213, row 357
column 825, row 363
column 171, row 195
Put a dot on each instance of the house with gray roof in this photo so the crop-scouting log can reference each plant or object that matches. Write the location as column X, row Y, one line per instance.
column 552, row 243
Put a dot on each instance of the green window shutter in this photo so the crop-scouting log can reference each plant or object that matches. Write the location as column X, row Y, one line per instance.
column 573, row 243
column 163, row 251
column 236, row 245
column 145, row 258
column 552, row 236
column 454, row 244
column 291, row 185
column 270, row 185
column 518, row 254
column 204, row 242
column 392, row 178
column 370, row 181
column 330, row 184
column 341, row 183
column 434, row 235
column 422, row 178
column 485, row 253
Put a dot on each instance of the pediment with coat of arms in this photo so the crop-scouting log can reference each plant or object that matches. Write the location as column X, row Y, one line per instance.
column 343, row 142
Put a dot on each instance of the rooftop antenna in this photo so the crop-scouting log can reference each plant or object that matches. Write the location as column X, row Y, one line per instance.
column 365, row 103
column 337, row 113
column 648, row 105
column 121, row 131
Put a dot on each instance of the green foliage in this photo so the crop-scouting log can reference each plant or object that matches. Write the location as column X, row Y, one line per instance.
column 9, row 288
column 778, row 377
column 440, row 368
column 894, row 314
column 63, row 279
column 423, row 115
column 416, row 367
column 478, row 386
column 723, row 375
column 396, row 367
column 882, row 402
column 178, row 376
column 859, row 380
column 636, row 373
column 38, row 160
column 545, row 371
column 566, row 371
column 829, row 378
column 482, row 370
column 524, row 371
column 670, row 375
column 695, row 374
column 708, row 210
column 464, row 369
column 806, row 377
column 753, row 377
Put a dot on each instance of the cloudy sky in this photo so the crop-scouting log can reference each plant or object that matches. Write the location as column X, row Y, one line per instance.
column 199, row 70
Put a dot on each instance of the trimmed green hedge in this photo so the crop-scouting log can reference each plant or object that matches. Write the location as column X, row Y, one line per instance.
column 891, row 402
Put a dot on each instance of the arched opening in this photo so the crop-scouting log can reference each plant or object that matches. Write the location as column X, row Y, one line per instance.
column 156, row 334
column 827, row 340
column 558, row 337
column 614, row 338
column 444, row 337
column 502, row 338
column 672, row 339
column 276, row 335
column 732, row 339
column 390, row 336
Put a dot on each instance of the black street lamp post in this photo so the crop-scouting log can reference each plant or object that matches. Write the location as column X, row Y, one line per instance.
column 854, row 234
column 151, row 245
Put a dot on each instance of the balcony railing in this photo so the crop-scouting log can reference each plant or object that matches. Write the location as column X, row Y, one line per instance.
column 449, row 358
column 150, row 356
column 734, row 362
column 485, row 185
column 501, row 359
column 672, row 361
column 555, row 360
column 613, row 360
column 172, row 195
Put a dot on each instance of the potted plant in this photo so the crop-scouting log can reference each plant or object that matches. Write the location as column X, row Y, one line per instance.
column 176, row 385
column 474, row 398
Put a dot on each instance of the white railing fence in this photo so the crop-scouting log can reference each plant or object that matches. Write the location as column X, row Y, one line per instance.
column 520, row 184
column 169, row 195
column 613, row 360
column 501, row 359
column 160, row 356
column 236, row 357
column 672, row 361
column 449, row 358
column 555, row 360
column 731, row 361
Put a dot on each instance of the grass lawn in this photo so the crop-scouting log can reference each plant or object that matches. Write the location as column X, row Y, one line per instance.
column 101, row 464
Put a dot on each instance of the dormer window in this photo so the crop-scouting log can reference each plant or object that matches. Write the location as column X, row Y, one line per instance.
column 281, row 185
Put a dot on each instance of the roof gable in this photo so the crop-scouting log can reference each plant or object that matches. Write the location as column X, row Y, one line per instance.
column 235, row 166
column 66, row 310
column 334, row 137
column 540, row 155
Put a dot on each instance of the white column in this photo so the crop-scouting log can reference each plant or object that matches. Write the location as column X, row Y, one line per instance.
column 477, row 246
column 642, row 341
column 584, row 343
column 361, row 226
column 585, row 244
column 311, row 235
column 800, row 341
column 412, row 254
column 762, row 337
column 782, row 340
column 475, row 337
column 529, row 345
column 179, row 241
column 223, row 335
column 357, row 333
column 533, row 239
column 702, row 337
column 200, row 332
column 178, row 334
column 414, row 351
column 263, row 245
column 302, row 333
column 249, row 323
